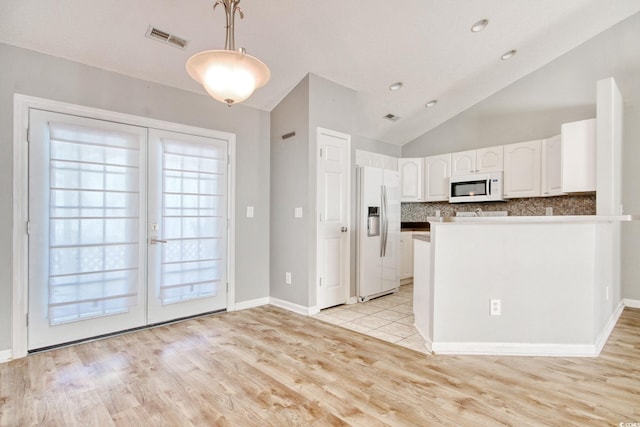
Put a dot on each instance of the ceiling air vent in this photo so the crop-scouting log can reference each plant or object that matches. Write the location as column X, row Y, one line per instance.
column 163, row 36
column 392, row 117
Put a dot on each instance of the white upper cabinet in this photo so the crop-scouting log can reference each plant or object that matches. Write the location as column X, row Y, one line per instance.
column 552, row 166
column 522, row 169
column 463, row 163
column 579, row 156
column 477, row 161
column 437, row 173
column 490, row 159
column 411, row 179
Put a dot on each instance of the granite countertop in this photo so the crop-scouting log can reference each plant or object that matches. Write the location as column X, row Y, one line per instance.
column 414, row 226
column 426, row 237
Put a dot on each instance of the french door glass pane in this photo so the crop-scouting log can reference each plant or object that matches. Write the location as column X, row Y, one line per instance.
column 93, row 222
column 193, row 220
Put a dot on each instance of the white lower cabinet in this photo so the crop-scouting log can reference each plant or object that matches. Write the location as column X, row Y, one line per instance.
column 406, row 255
column 522, row 169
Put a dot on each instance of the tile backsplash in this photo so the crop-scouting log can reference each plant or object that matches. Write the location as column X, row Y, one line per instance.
column 562, row 205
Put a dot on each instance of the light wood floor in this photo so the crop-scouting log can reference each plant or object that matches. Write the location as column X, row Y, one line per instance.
column 269, row 367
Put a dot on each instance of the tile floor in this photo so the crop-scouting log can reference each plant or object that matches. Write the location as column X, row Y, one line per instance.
column 389, row 318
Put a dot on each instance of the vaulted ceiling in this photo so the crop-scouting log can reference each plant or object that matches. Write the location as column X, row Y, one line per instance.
column 365, row 45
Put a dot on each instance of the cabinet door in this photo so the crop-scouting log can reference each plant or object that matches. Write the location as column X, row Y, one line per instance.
column 437, row 173
column 463, row 163
column 411, row 178
column 552, row 166
column 579, row 156
column 522, row 169
column 490, row 159
column 406, row 255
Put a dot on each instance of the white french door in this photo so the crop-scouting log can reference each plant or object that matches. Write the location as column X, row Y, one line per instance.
column 127, row 227
column 187, row 225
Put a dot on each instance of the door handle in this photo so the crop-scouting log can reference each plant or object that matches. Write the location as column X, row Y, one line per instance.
column 155, row 241
column 343, row 229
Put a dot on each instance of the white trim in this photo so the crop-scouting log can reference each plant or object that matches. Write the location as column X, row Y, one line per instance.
column 20, row 265
column 243, row 305
column 20, row 274
column 352, row 300
column 632, row 303
column 515, row 349
column 606, row 331
column 231, row 236
column 5, row 356
column 428, row 344
column 296, row 308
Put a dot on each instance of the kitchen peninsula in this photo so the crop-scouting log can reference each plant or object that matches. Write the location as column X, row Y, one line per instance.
column 542, row 285
column 529, row 285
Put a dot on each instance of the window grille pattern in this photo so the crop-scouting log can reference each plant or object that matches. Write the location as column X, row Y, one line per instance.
column 193, row 220
column 93, row 222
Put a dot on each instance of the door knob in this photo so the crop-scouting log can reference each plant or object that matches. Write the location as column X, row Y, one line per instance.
column 343, row 229
column 155, row 241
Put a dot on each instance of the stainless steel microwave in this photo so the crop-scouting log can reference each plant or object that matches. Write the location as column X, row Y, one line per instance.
column 478, row 187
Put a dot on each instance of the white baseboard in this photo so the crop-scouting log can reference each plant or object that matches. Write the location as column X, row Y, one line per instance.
column 5, row 355
column 515, row 349
column 633, row 303
column 606, row 331
column 296, row 308
column 243, row 305
column 352, row 300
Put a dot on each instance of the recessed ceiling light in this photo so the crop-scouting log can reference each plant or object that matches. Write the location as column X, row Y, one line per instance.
column 479, row 26
column 396, row 86
column 508, row 55
column 431, row 103
column 392, row 117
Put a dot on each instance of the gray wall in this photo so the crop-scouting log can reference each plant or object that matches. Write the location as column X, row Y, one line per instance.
column 331, row 106
column 315, row 102
column 290, row 189
column 562, row 91
column 35, row 74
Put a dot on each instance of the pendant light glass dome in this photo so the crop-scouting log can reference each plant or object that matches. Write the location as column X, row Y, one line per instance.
column 228, row 75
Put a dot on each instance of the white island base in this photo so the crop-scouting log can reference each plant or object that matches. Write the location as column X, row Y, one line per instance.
column 556, row 280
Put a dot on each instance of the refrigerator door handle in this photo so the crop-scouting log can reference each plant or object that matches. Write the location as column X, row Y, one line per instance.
column 382, row 218
column 385, row 222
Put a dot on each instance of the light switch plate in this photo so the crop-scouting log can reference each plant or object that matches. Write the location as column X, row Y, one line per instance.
column 249, row 211
column 298, row 213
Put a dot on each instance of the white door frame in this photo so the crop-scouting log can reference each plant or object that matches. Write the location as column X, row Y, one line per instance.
column 20, row 245
column 347, row 138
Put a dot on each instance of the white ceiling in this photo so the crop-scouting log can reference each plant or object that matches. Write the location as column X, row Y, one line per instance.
column 362, row 44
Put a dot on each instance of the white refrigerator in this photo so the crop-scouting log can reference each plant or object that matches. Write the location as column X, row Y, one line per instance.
column 378, row 232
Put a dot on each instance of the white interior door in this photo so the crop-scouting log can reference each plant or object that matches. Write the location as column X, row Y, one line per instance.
column 127, row 227
column 187, row 225
column 333, row 207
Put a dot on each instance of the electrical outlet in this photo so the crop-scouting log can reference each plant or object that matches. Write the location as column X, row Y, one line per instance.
column 548, row 211
column 287, row 277
column 297, row 213
column 496, row 307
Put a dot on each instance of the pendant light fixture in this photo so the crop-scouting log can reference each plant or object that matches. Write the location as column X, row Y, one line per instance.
column 228, row 75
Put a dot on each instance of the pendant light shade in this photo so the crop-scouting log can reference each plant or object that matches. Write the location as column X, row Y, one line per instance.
column 228, row 75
